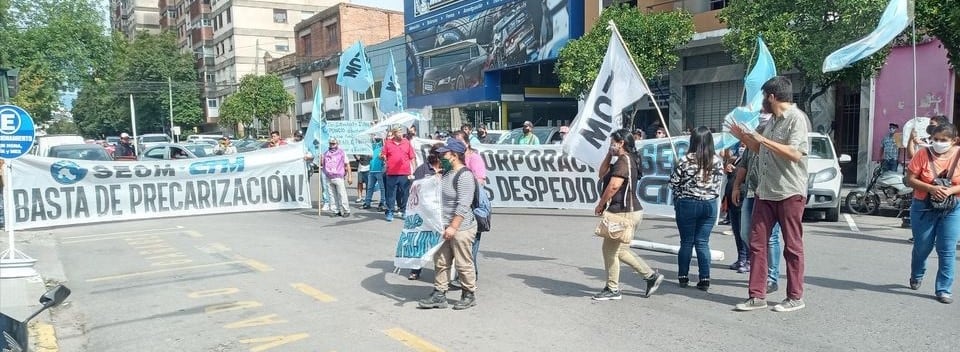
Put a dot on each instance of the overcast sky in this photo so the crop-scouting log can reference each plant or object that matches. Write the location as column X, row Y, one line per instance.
column 396, row 5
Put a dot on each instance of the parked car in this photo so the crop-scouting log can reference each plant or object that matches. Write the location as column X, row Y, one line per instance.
column 823, row 166
column 167, row 151
column 113, row 140
column 493, row 136
column 546, row 135
column 201, row 150
column 43, row 143
column 150, row 139
column 79, row 152
column 453, row 67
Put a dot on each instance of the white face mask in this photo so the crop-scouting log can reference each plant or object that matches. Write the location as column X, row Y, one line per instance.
column 941, row 147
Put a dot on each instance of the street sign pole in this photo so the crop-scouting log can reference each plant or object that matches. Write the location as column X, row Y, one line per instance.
column 16, row 137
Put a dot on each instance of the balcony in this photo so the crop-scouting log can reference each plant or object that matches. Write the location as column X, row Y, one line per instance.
column 197, row 9
column 704, row 11
column 200, row 34
column 284, row 63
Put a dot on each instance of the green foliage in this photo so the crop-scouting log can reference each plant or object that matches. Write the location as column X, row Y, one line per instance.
column 38, row 91
column 63, row 127
column 941, row 18
column 141, row 68
column 652, row 38
column 801, row 33
column 258, row 97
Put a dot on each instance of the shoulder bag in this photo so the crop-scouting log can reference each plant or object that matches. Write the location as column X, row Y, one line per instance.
column 617, row 226
column 950, row 202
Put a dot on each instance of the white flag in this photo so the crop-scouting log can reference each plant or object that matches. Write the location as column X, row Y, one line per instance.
column 618, row 85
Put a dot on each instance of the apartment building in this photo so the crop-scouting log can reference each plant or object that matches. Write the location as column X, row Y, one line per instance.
column 131, row 16
column 319, row 41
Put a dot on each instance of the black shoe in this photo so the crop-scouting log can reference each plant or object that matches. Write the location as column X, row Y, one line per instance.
column 704, row 284
column 653, row 284
column 910, row 240
column 365, row 206
column 772, row 287
column 684, row 281
column 346, row 215
column 607, row 294
column 725, row 222
column 437, row 299
column 915, row 284
column 467, row 300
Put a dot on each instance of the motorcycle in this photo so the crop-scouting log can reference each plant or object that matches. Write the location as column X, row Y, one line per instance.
column 13, row 333
column 884, row 188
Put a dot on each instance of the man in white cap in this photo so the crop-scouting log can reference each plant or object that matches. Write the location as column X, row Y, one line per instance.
column 336, row 168
column 125, row 148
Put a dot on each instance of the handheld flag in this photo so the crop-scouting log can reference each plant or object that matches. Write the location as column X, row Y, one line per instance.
column 391, row 97
column 893, row 21
column 355, row 72
column 618, row 85
column 316, row 130
column 763, row 70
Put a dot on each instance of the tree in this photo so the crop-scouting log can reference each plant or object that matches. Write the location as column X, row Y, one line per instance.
column 258, row 98
column 941, row 18
column 142, row 68
column 801, row 33
column 652, row 38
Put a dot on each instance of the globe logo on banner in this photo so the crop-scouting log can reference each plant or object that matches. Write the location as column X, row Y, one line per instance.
column 67, row 172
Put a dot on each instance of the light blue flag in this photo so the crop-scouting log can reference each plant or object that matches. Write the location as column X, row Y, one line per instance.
column 893, row 21
column 763, row 70
column 316, row 130
column 355, row 72
column 391, row 96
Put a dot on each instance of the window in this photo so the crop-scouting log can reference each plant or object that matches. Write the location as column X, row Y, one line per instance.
column 230, row 43
column 156, row 153
column 333, row 35
column 307, row 90
column 212, row 103
column 717, row 4
column 279, row 16
column 332, row 87
column 229, row 20
column 306, row 44
column 206, row 22
column 369, row 94
column 282, row 45
column 211, row 78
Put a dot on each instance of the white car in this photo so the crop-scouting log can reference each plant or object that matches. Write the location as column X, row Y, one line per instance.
column 823, row 186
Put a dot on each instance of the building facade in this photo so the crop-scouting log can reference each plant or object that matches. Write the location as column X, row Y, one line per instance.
column 132, row 16
column 319, row 42
column 489, row 62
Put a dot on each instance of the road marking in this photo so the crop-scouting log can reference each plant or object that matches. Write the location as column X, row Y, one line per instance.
column 273, row 341
column 853, row 225
column 226, row 307
column 215, row 247
column 253, row 264
column 411, row 340
column 158, row 271
column 126, row 232
column 45, row 337
column 315, row 293
column 193, row 234
column 268, row 319
column 127, row 237
column 214, row 292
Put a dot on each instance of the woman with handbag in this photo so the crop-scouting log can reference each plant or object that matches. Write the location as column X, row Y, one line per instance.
column 696, row 184
column 935, row 218
column 621, row 213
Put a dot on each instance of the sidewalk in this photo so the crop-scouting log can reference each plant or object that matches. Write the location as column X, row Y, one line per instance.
column 19, row 297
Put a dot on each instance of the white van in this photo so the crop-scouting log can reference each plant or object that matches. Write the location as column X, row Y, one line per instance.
column 43, row 144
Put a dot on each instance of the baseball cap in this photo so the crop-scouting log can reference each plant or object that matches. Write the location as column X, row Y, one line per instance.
column 453, row 145
column 334, row 141
column 124, row 135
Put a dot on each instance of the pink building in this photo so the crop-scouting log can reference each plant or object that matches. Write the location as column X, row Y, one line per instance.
column 894, row 98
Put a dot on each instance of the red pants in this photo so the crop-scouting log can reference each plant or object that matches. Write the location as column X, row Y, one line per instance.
column 789, row 213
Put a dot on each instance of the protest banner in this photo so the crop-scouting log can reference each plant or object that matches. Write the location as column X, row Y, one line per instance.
column 54, row 192
column 422, row 225
column 351, row 137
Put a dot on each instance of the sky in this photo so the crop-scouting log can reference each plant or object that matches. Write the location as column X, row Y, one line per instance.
column 396, row 5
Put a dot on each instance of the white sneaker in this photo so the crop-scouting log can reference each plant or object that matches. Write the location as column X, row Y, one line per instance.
column 327, row 208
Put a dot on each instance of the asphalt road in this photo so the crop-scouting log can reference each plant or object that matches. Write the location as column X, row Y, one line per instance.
column 290, row 281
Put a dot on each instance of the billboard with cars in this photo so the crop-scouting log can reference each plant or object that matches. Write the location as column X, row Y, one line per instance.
column 452, row 43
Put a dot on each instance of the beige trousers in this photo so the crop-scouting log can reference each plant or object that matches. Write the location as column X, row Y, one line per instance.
column 457, row 250
column 615, row 252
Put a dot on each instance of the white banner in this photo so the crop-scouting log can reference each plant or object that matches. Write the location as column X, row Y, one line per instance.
column 422, row 225
column 54, row 192
column 350, row 136
column 618, row 85
column 543, row 176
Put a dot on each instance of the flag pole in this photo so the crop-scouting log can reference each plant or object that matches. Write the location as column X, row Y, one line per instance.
column 653, row 98
column 913, row 22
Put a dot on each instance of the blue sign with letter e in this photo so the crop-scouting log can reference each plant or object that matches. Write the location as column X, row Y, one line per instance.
column 16, row 132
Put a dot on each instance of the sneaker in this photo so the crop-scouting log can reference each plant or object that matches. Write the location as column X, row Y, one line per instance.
column 346, row 214
column 389, row 217
column 607, row 294
column 772, row 287
column 327, row 208
column 789, row 305
column 736, row 265
column 653, row 284
column 751, row 304
column 365, row 206
column 945, row 298
column 684, row 281
column 437, row 299
column 744, row 269
column 915, row 284
column 727, row 233
column 467, row 300
column 703, row 285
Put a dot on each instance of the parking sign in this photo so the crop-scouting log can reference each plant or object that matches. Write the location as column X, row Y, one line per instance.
column 16, row 132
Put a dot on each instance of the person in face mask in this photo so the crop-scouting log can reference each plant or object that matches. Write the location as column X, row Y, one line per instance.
column 933, row 227
column 915, row 143
column 528, row 137
column 890, row 149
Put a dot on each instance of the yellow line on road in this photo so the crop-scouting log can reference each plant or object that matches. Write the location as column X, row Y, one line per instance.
column 44, row 337
column 123, row 237
column 126, row 232
column 158, row 271
column 411, row 340
column 313, row 292
column 253, row 264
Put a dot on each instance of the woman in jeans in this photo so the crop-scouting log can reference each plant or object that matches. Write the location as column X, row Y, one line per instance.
column 696, row 186
column 935, row 228
column 617, row 200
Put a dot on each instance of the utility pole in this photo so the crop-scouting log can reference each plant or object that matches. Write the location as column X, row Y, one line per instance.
column 170, row 96
column 256, row 60
column 133, row 124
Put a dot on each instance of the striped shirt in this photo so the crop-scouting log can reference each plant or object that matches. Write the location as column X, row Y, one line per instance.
column 458, row 199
